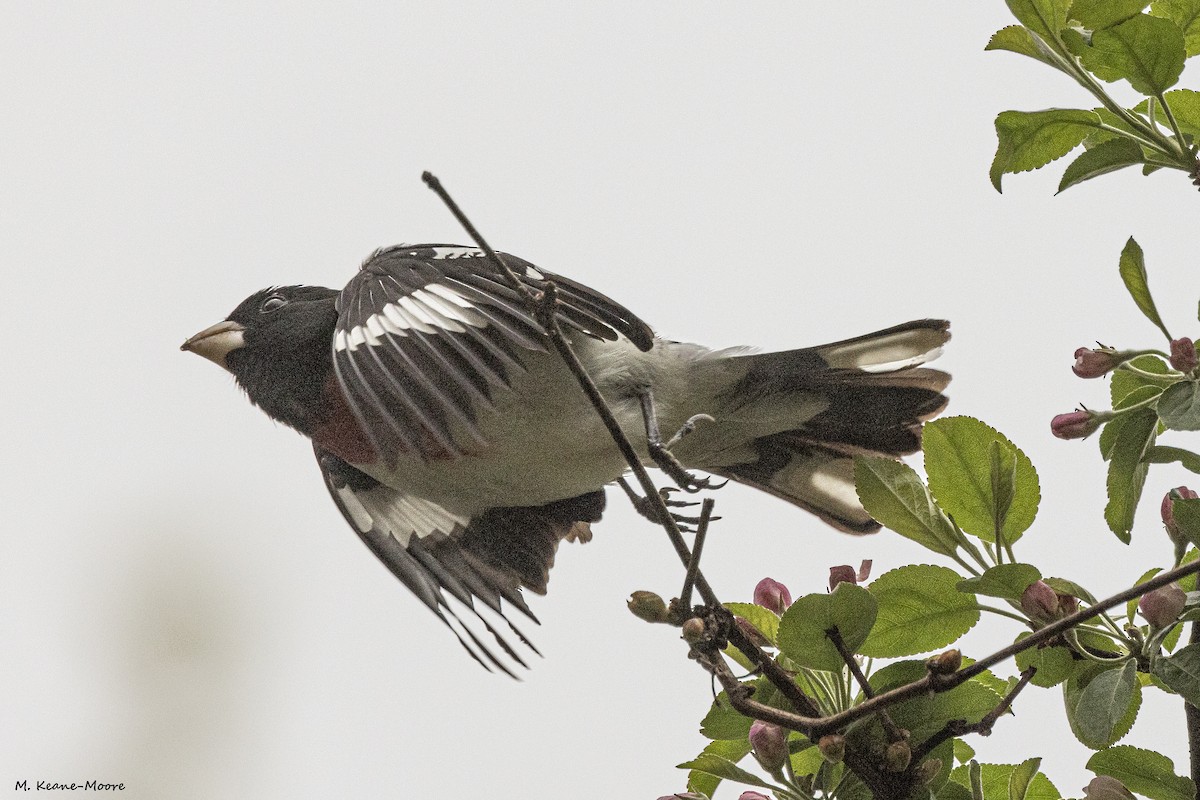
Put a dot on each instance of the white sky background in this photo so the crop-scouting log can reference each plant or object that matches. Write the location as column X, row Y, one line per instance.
column 184, row 610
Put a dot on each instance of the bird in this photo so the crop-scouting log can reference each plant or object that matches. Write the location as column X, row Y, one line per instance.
column 460, row 448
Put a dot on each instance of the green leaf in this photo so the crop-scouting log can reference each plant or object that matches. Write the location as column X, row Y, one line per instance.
column 958, row 461
column 1021, row 778
column 1044, row 17
column 925, row 715
column 1098, row 14
column 1146, row 51
column 1162, row 454
column 996, row 781
column 1125, row 381
column 1112, row 429
column 1088, row 721
column 729, row 750
column 1017, row 39
column 1127, row 471
column 1179, row 406
column 1054, row 664
column 1185, row 14
column 722, row 722
column 1143, row 771
column 1102, row 159
column 1028, row 140
column 920, row 609
column 894, row 494
column 849, row 608
column 963, row 752
column 1103, row 702
column 720, row 767
column 1064, row 586
column 1185, row 106
column 1133, row 272
column 1187, row 516
column 1181, row 672
column 765, row 621
column 1007, row 581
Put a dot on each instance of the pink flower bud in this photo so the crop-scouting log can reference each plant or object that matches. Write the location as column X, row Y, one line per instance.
column 1094, row 363
column 1040, row 602
column 772, row 595
column 1183, row 355
column 1076, row 425
column 1105, row 787
column 770, row 745
column 1163, row 606
column 1168, row 513
column 752, row 795
column 843, row 574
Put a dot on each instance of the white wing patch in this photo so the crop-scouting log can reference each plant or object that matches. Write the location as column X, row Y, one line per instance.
column 887, row 353
column 432, row 309
column 399, row 515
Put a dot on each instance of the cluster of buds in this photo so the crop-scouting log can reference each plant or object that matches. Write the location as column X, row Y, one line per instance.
column 1043, row 605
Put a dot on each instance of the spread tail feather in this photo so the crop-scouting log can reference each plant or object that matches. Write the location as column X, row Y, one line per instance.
column 877, row 397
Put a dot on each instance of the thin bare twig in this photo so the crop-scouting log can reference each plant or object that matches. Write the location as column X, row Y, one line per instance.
column 959, row 727
column 890, row 729
column 693, row 567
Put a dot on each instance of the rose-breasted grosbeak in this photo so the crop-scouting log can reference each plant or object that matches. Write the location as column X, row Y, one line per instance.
column 462, row 451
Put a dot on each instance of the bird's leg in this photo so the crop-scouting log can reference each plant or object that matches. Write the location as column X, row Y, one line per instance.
column 644, row 507
column 659, row 452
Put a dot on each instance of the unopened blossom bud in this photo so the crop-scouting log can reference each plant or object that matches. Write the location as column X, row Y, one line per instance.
column 1106, row 787
column 752, row 795
column 928, row 770
column 1040, row 602
column 693, row 630
column 770, row 743
column 1183, row 355
column 1067, row 604
column 1163, row 606
column 945, row 663
column 752, row 633
column 898, row 757
column 773, row 595
column 647, row 606
column 1077, row 424
column 842, row 574
column 832, row 747
column 684, row 796
column 1168, row 513
column 1095, row 363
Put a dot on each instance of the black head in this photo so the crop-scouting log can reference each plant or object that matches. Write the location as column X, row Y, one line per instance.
column 277, row 345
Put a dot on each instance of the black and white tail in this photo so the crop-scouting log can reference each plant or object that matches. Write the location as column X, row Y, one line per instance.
column 877, row 394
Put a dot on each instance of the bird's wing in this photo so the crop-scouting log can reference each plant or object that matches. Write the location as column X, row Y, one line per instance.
column 439, row 555
column 426, row 333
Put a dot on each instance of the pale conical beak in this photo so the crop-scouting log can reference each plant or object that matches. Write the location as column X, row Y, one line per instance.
column 216, row 342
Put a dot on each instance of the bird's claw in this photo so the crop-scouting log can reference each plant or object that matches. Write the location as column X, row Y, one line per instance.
column 687, row 427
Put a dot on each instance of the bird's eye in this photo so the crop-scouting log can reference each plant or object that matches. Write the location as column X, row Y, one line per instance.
column 272, row 303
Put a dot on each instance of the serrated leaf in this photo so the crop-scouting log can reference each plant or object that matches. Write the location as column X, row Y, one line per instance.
column 1018, row 39
column 958, row 462
column 1073, row 697
column 1185, row 107
column 920, row 609
column 1179, row 406
column 765, row 621
column 1133, row 273
column 1162, row 454
column 963, row 752
column 1103, row 702
column 730, row 750
column 802, row 638
column 1028, row 140
column 1007, row 581
column 1143, row 771
column 1181, row 672
column 927, row 714
column 1146, row 51
column 1127, row 471
column 1044, row 17
column 1054, row 664
column 1102, row 159
column 895, row 495
column 722, row 722
column 1125, row 381
column 721, row 767
column 995, row 780
column 1185, row 14
column 1022, row 776
column 1098, row 14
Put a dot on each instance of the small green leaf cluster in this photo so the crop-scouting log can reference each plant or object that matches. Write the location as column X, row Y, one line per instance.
column 1096, row 42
